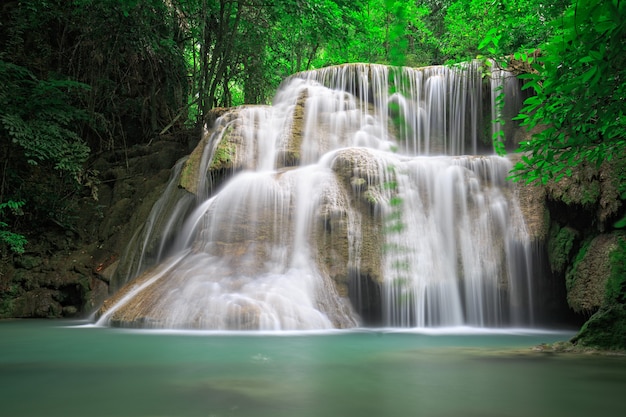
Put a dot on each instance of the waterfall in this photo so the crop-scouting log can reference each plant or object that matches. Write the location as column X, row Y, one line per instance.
column 364, row 195
column 451, row 260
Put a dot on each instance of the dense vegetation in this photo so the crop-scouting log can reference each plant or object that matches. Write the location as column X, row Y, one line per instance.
column 78, row 77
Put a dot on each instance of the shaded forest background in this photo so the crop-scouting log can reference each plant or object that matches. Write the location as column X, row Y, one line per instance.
column 80, row 78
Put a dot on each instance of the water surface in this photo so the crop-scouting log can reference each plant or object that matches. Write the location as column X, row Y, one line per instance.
column 51, row 368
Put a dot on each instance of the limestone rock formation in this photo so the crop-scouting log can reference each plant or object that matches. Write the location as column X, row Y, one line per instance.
column 314, row 201
column 587, row 278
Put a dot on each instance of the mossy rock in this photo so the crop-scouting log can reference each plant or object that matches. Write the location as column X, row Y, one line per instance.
column 606, row 329
column 189, row 172
column 224, row 155
column 560, row 244
column 28, row 262
column 39, row 303
column 596, row 190
column 580, row 188
column 616, row 285
column 587, row 278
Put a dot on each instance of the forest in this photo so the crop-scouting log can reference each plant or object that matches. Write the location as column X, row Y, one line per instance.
column 83, row 77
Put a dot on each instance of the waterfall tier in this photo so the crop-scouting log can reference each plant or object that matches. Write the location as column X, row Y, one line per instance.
column 349, row 201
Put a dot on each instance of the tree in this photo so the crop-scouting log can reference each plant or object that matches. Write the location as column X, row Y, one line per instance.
column 77, row 77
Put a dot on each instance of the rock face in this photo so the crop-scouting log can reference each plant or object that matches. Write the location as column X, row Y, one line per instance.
column 590, row 191
column 532, row 201
column 315, row 201
column 583, row 246
column 257, row 225
column 356, row 270
column 588, row 276
column 67, row 272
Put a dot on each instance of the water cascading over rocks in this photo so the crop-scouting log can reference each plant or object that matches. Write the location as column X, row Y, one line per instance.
column 359, row 197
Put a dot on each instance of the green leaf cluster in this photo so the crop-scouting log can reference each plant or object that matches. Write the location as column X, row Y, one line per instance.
column 14, row 241
column 38, row 134
column 579, row 93
column 77, row 77
column 504, row 26
column 126, row 51
column 37, row 116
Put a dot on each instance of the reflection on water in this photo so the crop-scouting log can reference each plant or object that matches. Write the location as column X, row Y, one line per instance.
column 48, row 369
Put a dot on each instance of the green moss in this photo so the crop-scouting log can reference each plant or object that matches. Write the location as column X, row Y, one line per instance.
column 187, row 172
column 616, row 284
column 570, row 276
column 560, row 243
column 590, row 194
column 224, row 155
column 606, row 329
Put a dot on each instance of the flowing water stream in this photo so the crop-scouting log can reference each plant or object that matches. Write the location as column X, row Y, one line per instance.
column 363, row 195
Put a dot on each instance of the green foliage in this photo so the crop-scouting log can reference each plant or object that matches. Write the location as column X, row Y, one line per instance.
column 498, row 134
column 39, row 118
column 504, row 26
column 126, row 51
column 579, row 92
column 397, row 38
column 14, row 241
column 223, row 156
column 38, row 136
column 77, row 76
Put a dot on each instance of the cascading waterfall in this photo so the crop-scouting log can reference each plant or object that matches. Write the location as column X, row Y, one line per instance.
column 350, row 197
column 457, row 228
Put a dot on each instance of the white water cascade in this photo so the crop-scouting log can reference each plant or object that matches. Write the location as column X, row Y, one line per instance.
column 359, row 196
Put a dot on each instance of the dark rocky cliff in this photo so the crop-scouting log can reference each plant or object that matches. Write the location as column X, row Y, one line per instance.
column 586, row 250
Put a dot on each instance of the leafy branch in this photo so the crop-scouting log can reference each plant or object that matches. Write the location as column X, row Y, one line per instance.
column 38, row 117
column 15, row 241
column 579, row 93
